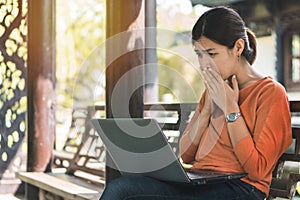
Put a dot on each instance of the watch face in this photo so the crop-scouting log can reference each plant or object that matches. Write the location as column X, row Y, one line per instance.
column 232, row 117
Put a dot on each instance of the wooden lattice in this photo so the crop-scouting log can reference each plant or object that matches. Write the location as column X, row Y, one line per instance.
column 13, row 56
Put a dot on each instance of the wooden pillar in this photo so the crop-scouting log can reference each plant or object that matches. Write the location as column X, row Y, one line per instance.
column 41, row 87
column 279, row 28
column 124, row 63
column 151, row 67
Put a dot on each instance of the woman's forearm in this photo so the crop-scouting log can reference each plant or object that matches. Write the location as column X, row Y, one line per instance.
column 198, row 128
column 191, row 137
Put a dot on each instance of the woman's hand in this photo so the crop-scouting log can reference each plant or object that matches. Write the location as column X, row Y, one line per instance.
column 221, row 93
column 232, row 95
column 215, row 86
column 207, row 108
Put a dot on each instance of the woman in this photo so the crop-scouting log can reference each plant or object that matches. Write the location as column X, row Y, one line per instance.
column 242, row 123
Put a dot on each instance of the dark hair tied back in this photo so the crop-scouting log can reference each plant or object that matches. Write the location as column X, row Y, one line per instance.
column 225, row 26
column 250, row 51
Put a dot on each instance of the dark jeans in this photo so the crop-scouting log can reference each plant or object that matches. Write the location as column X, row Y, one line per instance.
column 144, row 188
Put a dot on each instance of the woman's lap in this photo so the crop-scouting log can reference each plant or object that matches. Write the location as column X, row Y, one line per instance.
column 143, row 188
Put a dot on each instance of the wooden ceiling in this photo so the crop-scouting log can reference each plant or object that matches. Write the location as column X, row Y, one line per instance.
column 261, row 15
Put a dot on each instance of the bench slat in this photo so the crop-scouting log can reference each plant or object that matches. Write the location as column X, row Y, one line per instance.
column 65, row 186
column 295, row 106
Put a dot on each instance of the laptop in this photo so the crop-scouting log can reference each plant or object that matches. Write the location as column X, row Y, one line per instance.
column 138, row 146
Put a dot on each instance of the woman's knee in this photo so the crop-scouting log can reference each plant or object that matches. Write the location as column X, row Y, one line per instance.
column 116, row 189
column 123, row 187
column 136, row 186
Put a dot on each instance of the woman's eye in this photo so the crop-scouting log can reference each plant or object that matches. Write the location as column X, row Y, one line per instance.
column 212, row 54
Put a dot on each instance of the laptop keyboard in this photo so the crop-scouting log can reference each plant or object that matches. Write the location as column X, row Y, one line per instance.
column 192, row 175
column 198, row 173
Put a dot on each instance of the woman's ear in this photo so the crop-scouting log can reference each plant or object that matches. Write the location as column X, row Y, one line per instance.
column 239, row 46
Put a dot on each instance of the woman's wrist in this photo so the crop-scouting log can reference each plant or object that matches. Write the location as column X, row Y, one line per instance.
column 205, row 115
column 233, row 108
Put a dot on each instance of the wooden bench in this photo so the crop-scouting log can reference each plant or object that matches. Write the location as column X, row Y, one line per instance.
column 85, row 162
column 57, row 186
column 173, row 119
column 286, row 174
column 79, row 168
column 83, row 150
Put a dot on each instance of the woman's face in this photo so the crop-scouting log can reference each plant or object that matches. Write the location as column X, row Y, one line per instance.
column 212, row 54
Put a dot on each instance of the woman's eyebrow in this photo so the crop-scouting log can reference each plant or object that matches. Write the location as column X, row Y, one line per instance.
column 203, row 51
column 208, row 50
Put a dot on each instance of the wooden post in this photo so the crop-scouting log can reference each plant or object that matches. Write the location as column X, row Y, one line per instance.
column 124, row 63
column 41, row 87
column 151, row 69
column 279, row 28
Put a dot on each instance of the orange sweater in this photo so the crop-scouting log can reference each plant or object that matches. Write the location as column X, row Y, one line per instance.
column 265, row 109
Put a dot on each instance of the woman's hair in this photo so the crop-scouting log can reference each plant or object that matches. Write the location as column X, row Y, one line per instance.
column 225, row 26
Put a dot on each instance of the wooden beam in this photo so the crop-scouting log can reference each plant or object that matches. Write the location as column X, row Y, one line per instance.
column 124, row 63
column 288, row 6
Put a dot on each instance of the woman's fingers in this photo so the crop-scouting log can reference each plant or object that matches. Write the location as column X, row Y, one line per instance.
column 215, row 86
column 213, row 80
column 235, row 85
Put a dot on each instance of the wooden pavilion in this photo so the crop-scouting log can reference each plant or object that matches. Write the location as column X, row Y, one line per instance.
column 38, row 67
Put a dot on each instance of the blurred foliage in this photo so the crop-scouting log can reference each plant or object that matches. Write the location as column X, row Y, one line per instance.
column 80, row 29
column 178, row 76
column 81, row 59
column 80, row 37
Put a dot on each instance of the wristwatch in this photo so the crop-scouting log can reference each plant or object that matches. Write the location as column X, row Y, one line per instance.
column 232, row 117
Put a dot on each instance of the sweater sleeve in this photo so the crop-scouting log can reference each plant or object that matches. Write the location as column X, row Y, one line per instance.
column 187, row 148
column 271, row 136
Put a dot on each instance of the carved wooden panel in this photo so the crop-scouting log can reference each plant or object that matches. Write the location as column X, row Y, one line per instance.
column 13, row 56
